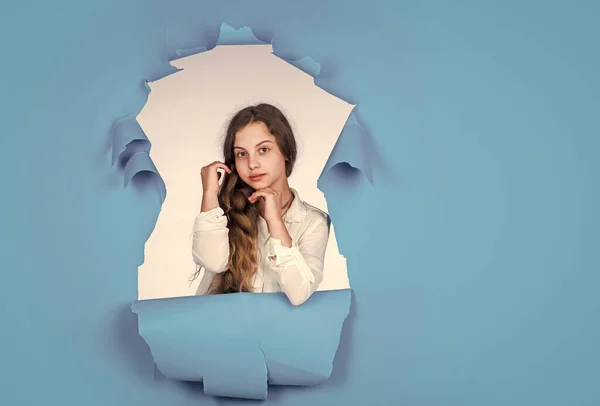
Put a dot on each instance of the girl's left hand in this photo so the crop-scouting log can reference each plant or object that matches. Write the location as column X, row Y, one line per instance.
column 270, row 204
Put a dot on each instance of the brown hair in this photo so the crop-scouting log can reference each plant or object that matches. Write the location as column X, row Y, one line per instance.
column 242, row 216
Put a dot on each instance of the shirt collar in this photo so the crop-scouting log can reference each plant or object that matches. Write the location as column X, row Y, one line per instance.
column 297, row 210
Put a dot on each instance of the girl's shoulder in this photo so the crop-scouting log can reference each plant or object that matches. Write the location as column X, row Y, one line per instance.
column 314, row 214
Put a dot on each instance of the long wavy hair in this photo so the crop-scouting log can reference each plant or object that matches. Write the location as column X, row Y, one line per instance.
column 243, row 216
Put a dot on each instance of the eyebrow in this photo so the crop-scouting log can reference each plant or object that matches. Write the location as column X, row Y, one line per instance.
column 262, row 142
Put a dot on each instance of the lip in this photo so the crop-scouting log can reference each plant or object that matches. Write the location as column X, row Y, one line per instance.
column 257, row 177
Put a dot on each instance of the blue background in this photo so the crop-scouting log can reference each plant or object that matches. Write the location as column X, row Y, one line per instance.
column 471, row 257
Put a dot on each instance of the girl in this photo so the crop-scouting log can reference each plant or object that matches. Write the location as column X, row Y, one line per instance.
column 254, row 233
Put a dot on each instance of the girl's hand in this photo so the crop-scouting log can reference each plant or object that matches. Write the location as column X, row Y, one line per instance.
column 269, row 201
column 210, row 176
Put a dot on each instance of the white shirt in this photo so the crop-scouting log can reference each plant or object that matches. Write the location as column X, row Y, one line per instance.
column 297, row 270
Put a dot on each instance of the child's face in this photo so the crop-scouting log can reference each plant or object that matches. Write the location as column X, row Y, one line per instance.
column 258, row 160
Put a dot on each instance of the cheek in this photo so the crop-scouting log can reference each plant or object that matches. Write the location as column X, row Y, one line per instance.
column 276, row 163
column 281, row 163
column 241, row 168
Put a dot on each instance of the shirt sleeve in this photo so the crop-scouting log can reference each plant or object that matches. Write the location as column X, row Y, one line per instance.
column 210, row 243
column 300, row 267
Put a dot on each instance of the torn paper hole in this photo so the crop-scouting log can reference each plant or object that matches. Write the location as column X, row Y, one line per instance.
column 184, row 118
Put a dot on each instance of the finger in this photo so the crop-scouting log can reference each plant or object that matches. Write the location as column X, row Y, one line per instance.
column 256, row 195
column 219, row 164
column 262, row 192
column 272, row 191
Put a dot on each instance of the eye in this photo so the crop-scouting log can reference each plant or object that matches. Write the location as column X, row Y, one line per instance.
column 267, row 149
column 240, row 154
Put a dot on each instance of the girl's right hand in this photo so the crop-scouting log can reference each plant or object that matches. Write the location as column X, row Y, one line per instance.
column 210, row 176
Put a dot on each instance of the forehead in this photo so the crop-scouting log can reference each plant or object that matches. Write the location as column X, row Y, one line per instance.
column 252, row 134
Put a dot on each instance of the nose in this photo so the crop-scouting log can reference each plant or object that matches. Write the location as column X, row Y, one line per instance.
column 253, row 162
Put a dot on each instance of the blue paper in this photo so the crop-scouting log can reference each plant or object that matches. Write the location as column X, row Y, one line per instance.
column 307, row 65
column 238, row 343
column 241, row 36
column 353, row 148
column 130, row 151
column 489, row 113
column 227, row 36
